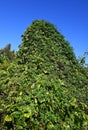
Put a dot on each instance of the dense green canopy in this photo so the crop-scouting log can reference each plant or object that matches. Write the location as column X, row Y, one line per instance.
column 44, row 87
column 43, row 40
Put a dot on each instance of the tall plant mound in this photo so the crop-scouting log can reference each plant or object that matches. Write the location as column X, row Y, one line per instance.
column 44, row 46
column 39, row 89
column 44, row 49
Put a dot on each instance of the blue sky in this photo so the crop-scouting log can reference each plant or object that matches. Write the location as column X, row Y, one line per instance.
column 69, row 16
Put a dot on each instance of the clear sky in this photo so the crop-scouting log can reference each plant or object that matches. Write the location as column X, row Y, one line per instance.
column 69, row 16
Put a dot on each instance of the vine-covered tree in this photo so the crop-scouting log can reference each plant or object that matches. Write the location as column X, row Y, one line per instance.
column 44, row 88
column 44, row 47
column 43, row 38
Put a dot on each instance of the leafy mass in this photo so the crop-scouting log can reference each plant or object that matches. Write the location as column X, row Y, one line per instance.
column 42, row 85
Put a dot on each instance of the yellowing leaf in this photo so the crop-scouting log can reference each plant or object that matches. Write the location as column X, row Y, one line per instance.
column 20, row 93
column 8, row 118
column 27, row 115
column 45, row 71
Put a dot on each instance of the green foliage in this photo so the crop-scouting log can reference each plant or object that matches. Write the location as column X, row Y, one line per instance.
column 44, row 87
column 43, row 40
column 6, row 53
